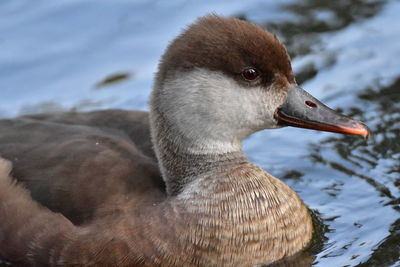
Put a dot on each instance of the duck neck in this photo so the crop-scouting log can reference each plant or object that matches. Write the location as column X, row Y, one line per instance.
column 227, row 206
column 182, row 160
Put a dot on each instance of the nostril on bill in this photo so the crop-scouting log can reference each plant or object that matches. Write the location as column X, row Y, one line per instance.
column 310, row 104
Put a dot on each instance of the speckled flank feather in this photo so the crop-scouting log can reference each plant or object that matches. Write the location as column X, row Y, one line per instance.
column 247, row 212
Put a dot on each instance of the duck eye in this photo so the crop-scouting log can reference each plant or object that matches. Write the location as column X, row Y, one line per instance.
column 250, row 74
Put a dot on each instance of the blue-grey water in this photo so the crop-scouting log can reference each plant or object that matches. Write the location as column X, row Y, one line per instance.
column 97, row 54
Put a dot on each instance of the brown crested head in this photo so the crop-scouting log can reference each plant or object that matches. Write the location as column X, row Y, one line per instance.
column 229, row 45
column 202, row 82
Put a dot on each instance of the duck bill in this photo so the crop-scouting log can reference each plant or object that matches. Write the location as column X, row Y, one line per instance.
column 304, row 111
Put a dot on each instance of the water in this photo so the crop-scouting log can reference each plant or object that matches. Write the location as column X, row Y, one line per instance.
column 82, row 55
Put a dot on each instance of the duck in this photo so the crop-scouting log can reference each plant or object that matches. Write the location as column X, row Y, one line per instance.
column 172, row 186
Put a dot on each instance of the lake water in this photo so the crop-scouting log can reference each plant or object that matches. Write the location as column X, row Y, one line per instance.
column 84, row 55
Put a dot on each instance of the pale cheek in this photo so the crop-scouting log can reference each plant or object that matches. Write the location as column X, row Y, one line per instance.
column 213, row 102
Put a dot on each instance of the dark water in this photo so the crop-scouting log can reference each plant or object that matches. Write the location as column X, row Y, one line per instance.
column 351, row 185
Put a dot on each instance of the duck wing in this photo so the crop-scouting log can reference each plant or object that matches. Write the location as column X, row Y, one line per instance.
column 32, row 235
column 135, row 124
column 80, row 163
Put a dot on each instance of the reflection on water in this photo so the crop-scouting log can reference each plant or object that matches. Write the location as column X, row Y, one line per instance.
column 315, row 16
column 388, row 251
column 378, row 163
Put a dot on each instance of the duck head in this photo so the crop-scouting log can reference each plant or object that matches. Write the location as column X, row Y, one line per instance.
column 223, row 79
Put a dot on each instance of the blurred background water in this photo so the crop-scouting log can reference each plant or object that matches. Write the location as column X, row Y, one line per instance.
column 97, row 54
